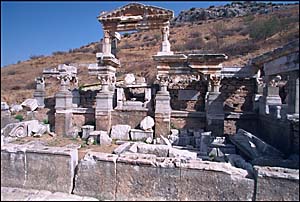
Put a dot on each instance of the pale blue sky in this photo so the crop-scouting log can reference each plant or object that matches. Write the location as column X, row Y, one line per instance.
column 40, row 28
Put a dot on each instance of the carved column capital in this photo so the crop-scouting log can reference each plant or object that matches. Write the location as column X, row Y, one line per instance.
column 215, row 82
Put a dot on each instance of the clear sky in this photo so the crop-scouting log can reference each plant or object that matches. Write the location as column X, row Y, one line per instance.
column 40, row 28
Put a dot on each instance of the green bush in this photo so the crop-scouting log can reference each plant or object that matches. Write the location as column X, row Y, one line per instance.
column 126, row 35
column 45, row 121
column 19, row 117
column 263, row 29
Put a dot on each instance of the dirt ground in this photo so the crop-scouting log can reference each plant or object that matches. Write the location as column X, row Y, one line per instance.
column 59, row 141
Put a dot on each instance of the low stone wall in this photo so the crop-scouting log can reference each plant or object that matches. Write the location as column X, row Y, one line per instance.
column 109, row 177
column 183, row 119
column 276, row 132
column 128, row 117
column 38, row 167
column 277, row 184
column 140, row 176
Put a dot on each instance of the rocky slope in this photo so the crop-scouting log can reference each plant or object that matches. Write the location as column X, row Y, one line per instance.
column 235, row 9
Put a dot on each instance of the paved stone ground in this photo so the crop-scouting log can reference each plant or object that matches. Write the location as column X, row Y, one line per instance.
column 17, row 194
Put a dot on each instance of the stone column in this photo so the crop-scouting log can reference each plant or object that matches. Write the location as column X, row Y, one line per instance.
column 148, row 94
column 106, row 45
column 162, row 110
column 104, row 105
column 214, row 107
column 120, row 97
column 63, row 107
column 165, row 46
column 39, row 93
column 293, row 93
column 259, row 91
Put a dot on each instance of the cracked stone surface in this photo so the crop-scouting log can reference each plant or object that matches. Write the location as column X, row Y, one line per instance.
column 17, row 194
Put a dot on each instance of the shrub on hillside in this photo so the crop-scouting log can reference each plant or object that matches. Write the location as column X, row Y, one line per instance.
column 32, row 57
column 264, row 28
column 58, row 53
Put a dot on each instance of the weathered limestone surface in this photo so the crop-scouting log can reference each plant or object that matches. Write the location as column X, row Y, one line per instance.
column 96, row 176
column 158, row 150
column 63, row 122
column 32, row 104
column 20, row 129
column 138, row 180
column 182, row 153
column 147, row 123
column 104, row 138
column 120, row 132
column 277, row 184
column 18, row 194
column 38, row 167
column 122, row 148
column 141, row 135
column 211, row 181
column 146, row 177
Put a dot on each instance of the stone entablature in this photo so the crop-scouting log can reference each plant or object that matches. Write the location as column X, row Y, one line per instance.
column 190, row 64
column 135, row 16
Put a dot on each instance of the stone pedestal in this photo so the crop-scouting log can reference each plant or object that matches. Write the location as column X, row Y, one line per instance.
column 214, row 113
column 40, row 97
column 270, row 102
column 63, row 113
column 63, row 122
column 104, row 106
column 39, row 93
column 86, row 130
column 63, row 100
column 162, row 114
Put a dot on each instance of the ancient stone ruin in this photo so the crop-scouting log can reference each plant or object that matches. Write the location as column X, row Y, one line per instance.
column 201, row 131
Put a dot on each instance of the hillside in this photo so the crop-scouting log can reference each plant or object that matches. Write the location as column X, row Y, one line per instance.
column 239, row 37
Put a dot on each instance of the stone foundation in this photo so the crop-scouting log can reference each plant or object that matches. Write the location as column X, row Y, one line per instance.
column 160, row 179
column 38, row 167
column 140, row 176
column 277, row 184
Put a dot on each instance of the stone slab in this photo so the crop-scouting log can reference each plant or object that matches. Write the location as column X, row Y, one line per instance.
column 212, row 181
column 182, row 153
column 252, row 146
column 137, row 181
column 38, row 167
column 96, row 176
column 120, row 132
column 188, row 94
column 277, row 184
column 158, row 150
column 140, row 135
